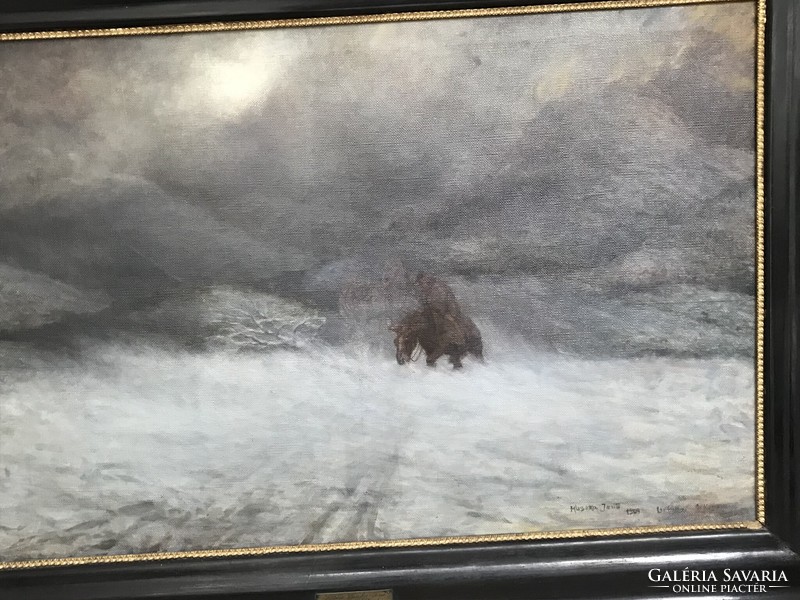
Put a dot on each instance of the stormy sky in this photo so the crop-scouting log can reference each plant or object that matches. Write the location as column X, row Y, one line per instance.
column 615, row 143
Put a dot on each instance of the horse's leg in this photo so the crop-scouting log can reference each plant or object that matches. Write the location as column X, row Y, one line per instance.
column 455, row 360
column 477, row 351
column 434, row 355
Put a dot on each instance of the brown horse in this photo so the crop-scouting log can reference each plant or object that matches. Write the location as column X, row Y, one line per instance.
column 438, row 334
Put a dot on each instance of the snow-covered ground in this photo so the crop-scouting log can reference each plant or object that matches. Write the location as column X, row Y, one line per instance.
column 129, row 447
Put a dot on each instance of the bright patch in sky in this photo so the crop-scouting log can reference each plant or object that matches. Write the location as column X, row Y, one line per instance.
column 228, row 87
column 233, row 87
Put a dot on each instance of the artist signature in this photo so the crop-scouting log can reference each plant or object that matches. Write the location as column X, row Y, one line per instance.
column 626, row 509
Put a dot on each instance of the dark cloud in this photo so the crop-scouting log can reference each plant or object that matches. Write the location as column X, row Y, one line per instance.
column 614, row 146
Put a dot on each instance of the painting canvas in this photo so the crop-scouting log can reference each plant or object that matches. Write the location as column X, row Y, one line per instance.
column 375, row 282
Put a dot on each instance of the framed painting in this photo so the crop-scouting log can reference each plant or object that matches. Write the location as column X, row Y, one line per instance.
column 429, row 300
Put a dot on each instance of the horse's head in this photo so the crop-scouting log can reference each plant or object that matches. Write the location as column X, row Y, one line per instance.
column 405, row 341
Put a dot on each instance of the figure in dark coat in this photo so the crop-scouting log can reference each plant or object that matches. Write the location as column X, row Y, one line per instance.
column 434, row 294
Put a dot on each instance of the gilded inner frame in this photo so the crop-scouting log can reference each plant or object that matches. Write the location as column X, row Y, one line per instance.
column 101, row 289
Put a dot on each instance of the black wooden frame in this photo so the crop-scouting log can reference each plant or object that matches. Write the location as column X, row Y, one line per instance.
column 594, row 567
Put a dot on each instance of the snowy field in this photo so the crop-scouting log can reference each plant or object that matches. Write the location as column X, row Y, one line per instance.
column 127, row 448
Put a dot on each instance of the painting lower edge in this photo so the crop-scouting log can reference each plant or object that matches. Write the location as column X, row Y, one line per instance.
column 383, row 544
